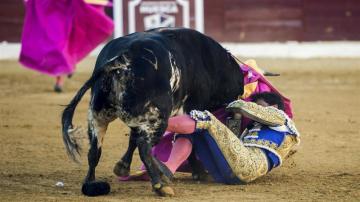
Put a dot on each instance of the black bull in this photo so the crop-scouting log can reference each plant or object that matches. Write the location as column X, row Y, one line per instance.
column 143, row 79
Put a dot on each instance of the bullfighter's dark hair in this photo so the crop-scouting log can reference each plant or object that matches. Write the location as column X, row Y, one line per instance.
column 270, row 98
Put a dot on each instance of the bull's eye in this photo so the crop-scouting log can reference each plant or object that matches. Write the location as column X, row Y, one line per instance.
column 121, row 73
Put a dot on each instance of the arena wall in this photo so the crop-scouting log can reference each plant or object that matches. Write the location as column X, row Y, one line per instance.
column 247, row 20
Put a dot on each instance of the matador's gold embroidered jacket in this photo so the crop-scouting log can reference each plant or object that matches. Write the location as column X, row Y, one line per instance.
column 273, row 130
column 259, row 149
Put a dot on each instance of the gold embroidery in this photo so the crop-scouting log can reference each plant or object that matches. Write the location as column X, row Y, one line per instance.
column 291, row 125
column 245, row 158
column 281, row 151
column 247, row 163
column 287, row 145
column 266, row 115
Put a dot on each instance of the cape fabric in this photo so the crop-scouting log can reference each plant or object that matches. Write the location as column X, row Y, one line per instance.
column 58, row 34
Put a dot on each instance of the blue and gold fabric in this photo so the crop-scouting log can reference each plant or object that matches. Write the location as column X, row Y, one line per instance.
column 259, row 149
column 273, row 131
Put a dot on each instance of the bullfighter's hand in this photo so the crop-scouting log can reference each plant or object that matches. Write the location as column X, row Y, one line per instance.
column 203, row 119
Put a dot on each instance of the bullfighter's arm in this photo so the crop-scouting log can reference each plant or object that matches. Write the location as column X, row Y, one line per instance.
column 270, row 116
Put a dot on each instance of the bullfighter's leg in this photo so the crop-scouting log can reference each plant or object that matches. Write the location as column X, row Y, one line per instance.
column 154, row 167
column 122, row 167
column 182, row 148
column 97, row 126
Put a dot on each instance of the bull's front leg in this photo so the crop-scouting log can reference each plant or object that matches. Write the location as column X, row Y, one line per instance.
column 97, row 126
column 156, row 170
column 122, row 167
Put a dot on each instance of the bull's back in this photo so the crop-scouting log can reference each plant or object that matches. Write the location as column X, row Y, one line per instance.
column 210, row 75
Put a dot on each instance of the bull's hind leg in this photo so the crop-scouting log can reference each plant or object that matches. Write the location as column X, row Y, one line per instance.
column 97, row 126
column 153, row 167
column 122, row 167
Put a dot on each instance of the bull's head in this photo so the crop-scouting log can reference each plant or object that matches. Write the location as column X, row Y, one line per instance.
column 139, row 87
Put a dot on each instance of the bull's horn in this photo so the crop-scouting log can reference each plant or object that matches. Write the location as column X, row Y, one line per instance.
column 266, row 73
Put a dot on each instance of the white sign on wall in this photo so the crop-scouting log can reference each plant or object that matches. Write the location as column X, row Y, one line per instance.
column 139, row 15
column 158, row 20
column 158, row 7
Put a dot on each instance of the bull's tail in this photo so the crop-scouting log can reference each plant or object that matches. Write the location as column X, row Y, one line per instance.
column 71, row 145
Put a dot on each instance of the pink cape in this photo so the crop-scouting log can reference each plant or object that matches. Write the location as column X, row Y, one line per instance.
column 58, row 34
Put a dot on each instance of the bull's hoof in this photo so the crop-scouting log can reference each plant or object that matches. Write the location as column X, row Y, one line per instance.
column 122, row 169
column 163, row 190
column 95, row 188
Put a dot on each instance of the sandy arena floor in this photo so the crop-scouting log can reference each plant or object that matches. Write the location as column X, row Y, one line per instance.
column 326, row 98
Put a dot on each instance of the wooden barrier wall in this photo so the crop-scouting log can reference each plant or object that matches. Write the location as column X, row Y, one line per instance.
column 282, row 20
column 247, row 20
column 11, row 20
